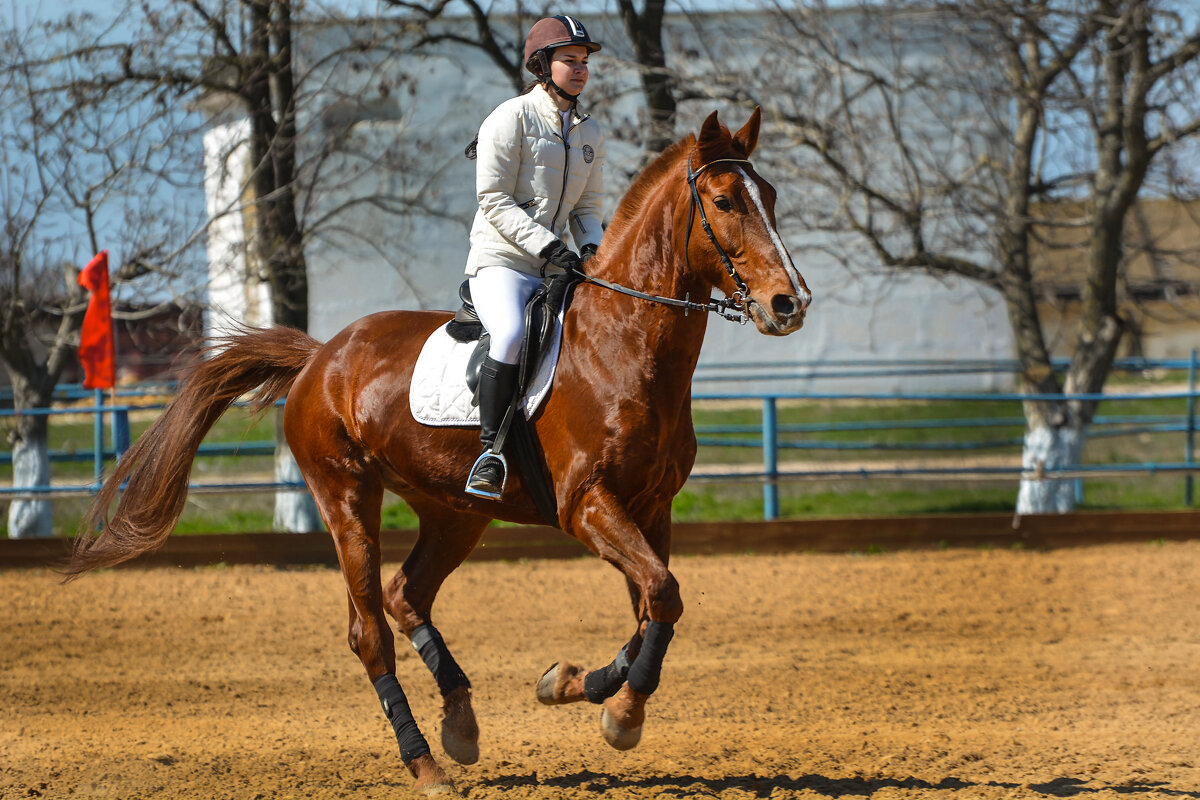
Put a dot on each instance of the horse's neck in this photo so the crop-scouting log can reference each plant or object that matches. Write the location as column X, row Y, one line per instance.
column 663, row 341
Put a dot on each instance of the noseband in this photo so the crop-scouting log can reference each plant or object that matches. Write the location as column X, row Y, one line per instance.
column 732, row 308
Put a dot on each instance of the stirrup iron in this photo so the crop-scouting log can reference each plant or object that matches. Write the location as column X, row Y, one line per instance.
column 471, row 490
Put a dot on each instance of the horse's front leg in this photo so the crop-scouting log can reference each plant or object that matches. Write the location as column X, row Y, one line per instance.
column 624, row 686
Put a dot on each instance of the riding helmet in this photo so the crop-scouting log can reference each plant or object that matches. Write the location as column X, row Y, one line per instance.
column 549, row 33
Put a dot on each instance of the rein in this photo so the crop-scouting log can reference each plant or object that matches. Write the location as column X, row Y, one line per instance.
column 731, row 308
column 719, row 307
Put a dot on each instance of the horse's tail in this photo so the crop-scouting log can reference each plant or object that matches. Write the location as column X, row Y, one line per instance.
column 158, row 465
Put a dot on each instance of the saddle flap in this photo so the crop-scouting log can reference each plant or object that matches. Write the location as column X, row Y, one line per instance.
column 537, row 328
column 475, row 364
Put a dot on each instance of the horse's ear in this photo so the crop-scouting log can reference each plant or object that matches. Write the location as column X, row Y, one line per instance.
column 711, row 129
column 747, row 138
column 713, row 140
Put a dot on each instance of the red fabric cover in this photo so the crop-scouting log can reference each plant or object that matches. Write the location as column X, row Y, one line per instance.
column 96, row 337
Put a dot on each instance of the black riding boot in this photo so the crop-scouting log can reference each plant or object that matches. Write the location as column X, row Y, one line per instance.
column 497, row 387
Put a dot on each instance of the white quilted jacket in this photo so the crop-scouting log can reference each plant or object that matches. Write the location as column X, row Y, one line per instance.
column 532, row 184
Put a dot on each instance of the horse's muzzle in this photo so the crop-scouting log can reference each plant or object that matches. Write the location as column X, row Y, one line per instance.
column 784, row 315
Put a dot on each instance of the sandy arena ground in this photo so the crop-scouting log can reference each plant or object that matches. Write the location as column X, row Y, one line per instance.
column 948, row 675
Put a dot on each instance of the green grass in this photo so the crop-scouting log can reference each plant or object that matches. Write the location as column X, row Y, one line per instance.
column 258, row 518
column 744, row 502
column 857, row 499
column 397, row 515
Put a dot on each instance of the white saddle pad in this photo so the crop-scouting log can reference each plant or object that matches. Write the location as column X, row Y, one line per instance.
column 439, row 395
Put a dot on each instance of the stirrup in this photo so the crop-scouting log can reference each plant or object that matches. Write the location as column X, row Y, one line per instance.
column 490, row 494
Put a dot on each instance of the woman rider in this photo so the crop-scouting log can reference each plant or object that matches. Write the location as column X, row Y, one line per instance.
column 539, row 172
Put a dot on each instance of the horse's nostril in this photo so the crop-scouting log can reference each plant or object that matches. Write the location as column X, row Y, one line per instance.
column 785, row 305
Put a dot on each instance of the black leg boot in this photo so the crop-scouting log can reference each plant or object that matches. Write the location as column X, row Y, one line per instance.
column 497, row 387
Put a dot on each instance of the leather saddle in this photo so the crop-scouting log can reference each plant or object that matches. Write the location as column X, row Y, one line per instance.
column 540, row 312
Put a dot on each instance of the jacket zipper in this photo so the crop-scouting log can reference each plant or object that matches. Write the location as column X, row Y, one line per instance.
column 563, row 193
column 566, row 166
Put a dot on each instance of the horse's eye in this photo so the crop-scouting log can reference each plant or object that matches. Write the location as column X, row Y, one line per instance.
column 722, row 203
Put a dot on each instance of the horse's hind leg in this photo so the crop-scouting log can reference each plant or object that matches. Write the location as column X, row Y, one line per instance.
column 445, row 539
column 349, row 496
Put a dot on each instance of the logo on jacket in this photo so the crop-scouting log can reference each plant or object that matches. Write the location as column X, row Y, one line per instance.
column 588, row 154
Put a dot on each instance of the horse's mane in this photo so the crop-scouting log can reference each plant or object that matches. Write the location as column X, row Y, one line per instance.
column 711, row 149
column 638, row 192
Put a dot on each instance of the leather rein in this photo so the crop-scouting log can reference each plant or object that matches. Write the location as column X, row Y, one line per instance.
column 732, row 308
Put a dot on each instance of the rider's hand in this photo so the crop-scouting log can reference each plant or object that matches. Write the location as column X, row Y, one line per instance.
column 586, row 253
column 560, row 255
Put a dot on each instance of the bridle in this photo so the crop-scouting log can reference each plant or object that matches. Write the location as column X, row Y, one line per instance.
column 742, row 294
column 732, row 308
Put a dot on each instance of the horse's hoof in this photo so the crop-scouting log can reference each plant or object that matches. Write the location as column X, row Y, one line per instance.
column 431, row 779
column 619, row 738
column 622, row 718
column 562, row 683
column 546, row 686
column 460, row 731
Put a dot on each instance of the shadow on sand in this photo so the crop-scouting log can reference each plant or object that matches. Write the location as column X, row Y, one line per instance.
column 765, row 785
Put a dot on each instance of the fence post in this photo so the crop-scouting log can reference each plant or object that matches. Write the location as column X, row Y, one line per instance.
column 1189, row 442
column 120, row 431
column 770, row 460
column 98, row 435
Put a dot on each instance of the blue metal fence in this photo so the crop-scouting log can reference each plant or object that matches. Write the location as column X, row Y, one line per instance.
column 768, row 434
column 119, row 440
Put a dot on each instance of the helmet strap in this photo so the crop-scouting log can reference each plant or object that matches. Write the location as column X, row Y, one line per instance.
column 550, row 84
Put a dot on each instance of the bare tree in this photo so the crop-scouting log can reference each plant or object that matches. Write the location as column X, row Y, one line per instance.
column 242, row 51
column 101, row 115
column 78, row 168
column 941, row 135
column 501, row 36
column 301, row 84
column 645, row 30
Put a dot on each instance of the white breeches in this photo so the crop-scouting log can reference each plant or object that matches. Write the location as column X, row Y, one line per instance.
column 499, row 295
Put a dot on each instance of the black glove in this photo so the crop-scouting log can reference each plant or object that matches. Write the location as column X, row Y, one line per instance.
column 560, row 255
column 586, row 253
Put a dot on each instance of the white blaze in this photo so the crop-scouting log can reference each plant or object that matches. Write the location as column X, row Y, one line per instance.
column 756, row 196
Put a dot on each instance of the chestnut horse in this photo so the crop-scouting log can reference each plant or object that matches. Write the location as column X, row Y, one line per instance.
column 616, row 432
